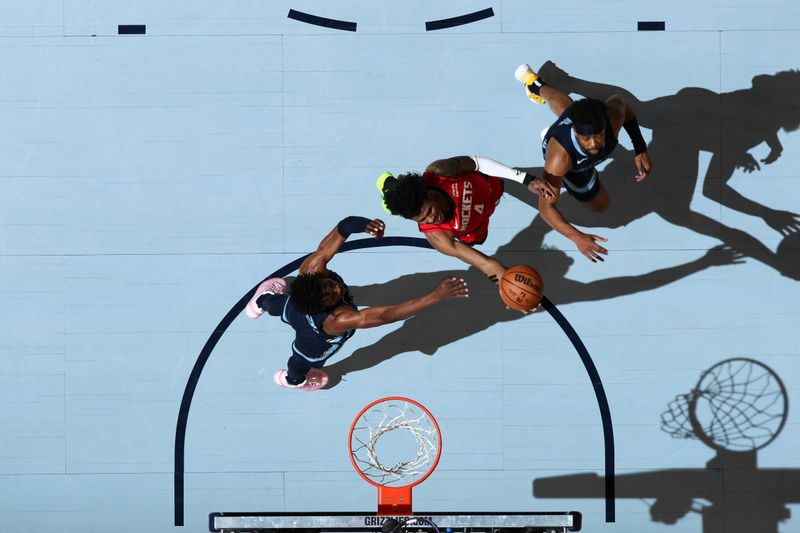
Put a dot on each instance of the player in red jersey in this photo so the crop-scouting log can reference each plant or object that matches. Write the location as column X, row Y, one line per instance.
column 452, row 202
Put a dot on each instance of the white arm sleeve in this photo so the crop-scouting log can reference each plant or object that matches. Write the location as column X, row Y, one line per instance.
column 491, row 167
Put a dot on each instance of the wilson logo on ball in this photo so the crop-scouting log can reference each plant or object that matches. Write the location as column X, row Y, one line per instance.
column 527, row 281
column 521, row 287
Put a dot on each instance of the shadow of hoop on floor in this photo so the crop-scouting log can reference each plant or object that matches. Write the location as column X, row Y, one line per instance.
column 737, row 407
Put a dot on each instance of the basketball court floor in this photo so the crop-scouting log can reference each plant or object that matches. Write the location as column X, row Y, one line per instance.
column 160, row 159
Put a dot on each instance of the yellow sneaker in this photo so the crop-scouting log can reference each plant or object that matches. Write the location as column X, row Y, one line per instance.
column 381, row 180
column 526, row 76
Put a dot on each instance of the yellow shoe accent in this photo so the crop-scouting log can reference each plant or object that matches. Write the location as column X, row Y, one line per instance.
column 381, row 180
column 526, row 76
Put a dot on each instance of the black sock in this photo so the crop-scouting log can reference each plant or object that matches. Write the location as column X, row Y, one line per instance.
column 536, row 86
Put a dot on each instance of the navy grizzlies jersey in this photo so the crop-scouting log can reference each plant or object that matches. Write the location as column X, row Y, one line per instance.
column 562, row 131
column 311, row 342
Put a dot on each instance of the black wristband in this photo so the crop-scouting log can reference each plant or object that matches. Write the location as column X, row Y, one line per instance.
column 632, row 128
column 352, row 224
column 527, row 179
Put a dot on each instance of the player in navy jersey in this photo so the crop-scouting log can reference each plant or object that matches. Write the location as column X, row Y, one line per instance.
column 583, row 136
column 321, row 309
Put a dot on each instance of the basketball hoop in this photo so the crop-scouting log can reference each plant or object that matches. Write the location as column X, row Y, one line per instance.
column 395, row 444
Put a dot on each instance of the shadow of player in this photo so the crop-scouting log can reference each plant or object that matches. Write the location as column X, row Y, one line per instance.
column 727, row 125
column 451, row 321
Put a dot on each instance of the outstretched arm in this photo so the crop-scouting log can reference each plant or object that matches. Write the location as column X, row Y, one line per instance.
column 621, row 286
column 333, row 241
column 775, row 148
column 343, row 318
column 621, row 115
column 455, row 166
column 557, row 164
column 717, row 188
column 446, row 244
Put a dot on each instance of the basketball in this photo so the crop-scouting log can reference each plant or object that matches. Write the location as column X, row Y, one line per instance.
column 521, row 288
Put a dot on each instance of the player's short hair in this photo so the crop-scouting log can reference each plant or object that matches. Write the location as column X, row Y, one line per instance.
column 306, row 293
column 588, row 116
column 405, row 194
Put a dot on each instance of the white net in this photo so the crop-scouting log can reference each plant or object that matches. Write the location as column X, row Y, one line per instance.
column 395, row 443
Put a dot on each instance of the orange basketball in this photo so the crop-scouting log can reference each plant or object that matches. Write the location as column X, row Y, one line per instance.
column 521, row 287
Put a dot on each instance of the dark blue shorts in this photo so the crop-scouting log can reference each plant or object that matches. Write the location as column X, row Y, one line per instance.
column 584, row 185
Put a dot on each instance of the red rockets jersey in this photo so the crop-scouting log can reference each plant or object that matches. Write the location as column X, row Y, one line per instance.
column 475, row 196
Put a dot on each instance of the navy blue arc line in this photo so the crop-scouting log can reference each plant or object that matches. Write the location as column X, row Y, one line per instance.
column 194, row 377
column 236, row 310
column 322, row 21
column 469, row 18
column 602, row 403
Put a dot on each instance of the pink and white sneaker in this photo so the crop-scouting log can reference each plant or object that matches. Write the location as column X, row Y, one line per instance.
column 271, row 286
column 315, row 379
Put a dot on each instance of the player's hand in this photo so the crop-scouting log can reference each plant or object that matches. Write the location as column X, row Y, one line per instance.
column 784, row 222
column 724, row 255
column 451, row 288
column 643, row 166
column 587, row 244
column 542, row 187
column 528, row 312
column 772, row 156
column 748, row 163
column 376, row 228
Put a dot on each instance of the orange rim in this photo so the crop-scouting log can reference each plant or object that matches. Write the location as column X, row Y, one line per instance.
column 395, row 491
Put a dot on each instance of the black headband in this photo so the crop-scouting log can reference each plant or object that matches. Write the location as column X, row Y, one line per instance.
column 587, row 130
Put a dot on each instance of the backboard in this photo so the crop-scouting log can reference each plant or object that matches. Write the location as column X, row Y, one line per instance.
column 472, row 522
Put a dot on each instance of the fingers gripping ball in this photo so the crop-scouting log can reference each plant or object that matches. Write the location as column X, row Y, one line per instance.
column 521, row 287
